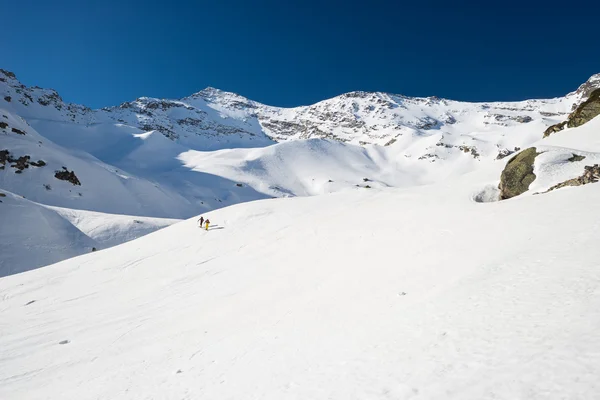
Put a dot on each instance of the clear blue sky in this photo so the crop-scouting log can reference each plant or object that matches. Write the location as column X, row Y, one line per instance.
column 296, row 52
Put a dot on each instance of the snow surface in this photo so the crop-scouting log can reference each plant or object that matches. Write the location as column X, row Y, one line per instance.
column 33, row 235
column 417, row 293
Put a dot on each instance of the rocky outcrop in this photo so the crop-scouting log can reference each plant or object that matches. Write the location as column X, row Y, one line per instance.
column 69, row 176
column 518, row 174
column 20, row 163
column 469, row 149
column 585, row 90
column 591, row 174
column 555, row 128
column 586, row 111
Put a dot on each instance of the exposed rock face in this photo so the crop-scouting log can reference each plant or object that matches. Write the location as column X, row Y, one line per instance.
column 585, row 90
column 591, row 174
column 555, row 128
column 69, row 176
column 586, row 111
column 20, row 163
column 583, row 113
column 518, row 174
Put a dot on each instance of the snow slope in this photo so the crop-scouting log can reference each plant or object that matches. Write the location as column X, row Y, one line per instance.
column 178, row 158
column 416, row 293
column 33, row 235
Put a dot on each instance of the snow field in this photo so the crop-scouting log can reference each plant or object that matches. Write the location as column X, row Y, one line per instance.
column 410, row 293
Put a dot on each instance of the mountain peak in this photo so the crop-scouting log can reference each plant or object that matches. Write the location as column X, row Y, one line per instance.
column 584, row 91
column 8, row 74
column 211, row 92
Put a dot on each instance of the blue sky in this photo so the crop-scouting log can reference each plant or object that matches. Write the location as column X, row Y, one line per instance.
column 289, row 53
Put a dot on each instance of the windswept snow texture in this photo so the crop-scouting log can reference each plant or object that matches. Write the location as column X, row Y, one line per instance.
column 416, row 293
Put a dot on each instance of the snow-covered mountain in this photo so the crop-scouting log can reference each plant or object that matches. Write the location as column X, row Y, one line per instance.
column 213, row 119
column 406, row 279
column 178, row 158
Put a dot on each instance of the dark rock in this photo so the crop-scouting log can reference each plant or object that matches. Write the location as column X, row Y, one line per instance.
column 428, row 156
column 4, row 157
column 18, row 131
column 576, row 158
column 555, row 128
column 8, row 73
column 39, row 163
column 20, row 163
column 8, row 99
column 470, row 149
column 238, row 185
column 518, row 174
column 3, row 125
column 2, row 195
column 68, row 176
column 524, row 119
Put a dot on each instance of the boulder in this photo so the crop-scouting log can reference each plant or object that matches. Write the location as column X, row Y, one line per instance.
column 518, row 174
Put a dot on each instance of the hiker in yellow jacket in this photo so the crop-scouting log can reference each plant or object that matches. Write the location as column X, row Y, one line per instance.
column 207, row 222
